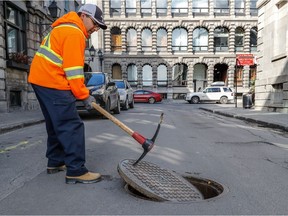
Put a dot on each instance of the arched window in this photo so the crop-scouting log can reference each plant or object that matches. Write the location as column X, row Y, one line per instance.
column 116, row 39
column 132, row 74
column 161, row 40
column 145, row 7
column 221, row 39
column 161, row 75
column 146, row 40
column 131, row 40
column 179, row 75
column 147, row 75
column 200, row 39
column 239, row 39
column 253, row 39
column 179, row 6
column 200, row 77
column 161, row 7
column 179, row 39
column 115, row 7
column 116, row 71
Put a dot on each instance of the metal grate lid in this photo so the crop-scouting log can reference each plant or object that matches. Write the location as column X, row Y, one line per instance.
column 158, row 183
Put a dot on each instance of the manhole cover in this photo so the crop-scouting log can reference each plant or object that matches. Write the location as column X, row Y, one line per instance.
column 158, row 183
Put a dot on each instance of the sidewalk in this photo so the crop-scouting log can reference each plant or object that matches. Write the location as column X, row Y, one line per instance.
column 20, row 119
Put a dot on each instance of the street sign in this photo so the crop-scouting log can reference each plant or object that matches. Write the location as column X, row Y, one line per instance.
column 245, row 59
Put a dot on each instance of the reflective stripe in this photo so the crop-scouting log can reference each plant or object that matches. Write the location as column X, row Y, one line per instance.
column 47, row 53
column 74, row 72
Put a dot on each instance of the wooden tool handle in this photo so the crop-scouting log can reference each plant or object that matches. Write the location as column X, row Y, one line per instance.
column 112, row 118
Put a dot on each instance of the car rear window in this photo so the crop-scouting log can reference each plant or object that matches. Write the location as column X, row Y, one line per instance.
column 227, row 90
column 94, row 79
column 120, row 84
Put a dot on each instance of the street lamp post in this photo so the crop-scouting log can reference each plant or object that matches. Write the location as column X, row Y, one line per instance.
column 100, row 55
column 92, row 54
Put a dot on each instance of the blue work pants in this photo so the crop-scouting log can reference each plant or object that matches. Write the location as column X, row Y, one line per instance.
column 65, row 130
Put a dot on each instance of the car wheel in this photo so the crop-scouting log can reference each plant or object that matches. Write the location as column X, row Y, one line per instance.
column 195, row 100
column 223, row 100
column 151, row 100
column 126, row 104
column 117, row 108
column 131, row 105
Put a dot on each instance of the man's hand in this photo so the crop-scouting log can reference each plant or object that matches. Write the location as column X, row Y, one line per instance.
column 87, row 102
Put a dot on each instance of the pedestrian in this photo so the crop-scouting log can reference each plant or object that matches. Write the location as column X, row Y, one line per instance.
column 57, row 77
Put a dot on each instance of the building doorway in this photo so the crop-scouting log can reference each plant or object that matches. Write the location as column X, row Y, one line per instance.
column 200, row 77
column 220, row 73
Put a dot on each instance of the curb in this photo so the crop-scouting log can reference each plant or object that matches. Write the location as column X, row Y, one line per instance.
column 260, row 122
column 8, row 128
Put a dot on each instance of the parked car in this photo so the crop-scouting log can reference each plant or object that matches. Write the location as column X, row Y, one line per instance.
column 104, row 91
column 126, row 94
column 220, row 94
column 147, row 96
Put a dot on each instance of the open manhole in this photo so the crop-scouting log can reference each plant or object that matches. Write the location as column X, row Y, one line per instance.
column 149, row 181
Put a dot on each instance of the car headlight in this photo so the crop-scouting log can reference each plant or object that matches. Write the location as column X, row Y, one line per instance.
column 98, row 92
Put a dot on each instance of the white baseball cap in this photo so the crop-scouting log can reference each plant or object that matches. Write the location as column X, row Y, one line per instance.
column 95, row 13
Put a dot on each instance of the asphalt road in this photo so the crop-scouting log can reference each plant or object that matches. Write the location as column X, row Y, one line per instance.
column 250, row 162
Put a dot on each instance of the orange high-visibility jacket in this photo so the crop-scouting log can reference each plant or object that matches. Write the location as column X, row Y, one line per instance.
column 59, row 62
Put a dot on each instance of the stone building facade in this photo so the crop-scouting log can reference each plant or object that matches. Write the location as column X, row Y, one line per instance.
column 272, row 76
column 200, row 43
column 23, row 26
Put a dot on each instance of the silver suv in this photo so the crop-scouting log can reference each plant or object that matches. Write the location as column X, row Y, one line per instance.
column 126, row 94
column 220, row 94
column 103, row 90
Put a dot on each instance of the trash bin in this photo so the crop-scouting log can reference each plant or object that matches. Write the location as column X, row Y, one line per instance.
column 247, row 101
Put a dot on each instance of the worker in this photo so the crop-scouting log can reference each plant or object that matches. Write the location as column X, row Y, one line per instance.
column 57, row 77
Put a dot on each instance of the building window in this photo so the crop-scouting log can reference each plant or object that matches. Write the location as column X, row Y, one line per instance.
column 253, row 8
column 161, row 7
column 147, row 75
column 240, row 7
column 15, row 98
column 146, row 7
column 179, row 75
column 179, row 40
column 253, row 39
column 200, row 39
column 239, row 39
column 146, row 40
column 221, row 39
column 200, row 6
column 132, row 74
column 161, row 40
column 131, row 40
column 130, row 7
column 179, row 7
column 116, row 39
column 162, row 76
column 221, row 7
column 16, row 41
column 115, row 7
column 116, row 71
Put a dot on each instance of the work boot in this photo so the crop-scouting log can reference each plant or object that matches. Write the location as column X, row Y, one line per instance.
column 52, row 170
column 87, row 178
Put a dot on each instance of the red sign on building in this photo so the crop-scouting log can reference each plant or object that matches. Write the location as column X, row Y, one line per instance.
column 245, row 59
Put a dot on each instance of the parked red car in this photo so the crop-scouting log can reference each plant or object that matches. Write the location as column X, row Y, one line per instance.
column 147, row 96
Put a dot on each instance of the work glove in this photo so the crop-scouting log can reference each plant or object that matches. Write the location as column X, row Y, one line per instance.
column 87, row 102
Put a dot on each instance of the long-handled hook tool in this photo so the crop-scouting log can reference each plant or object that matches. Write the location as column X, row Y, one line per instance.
column 147, row 144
